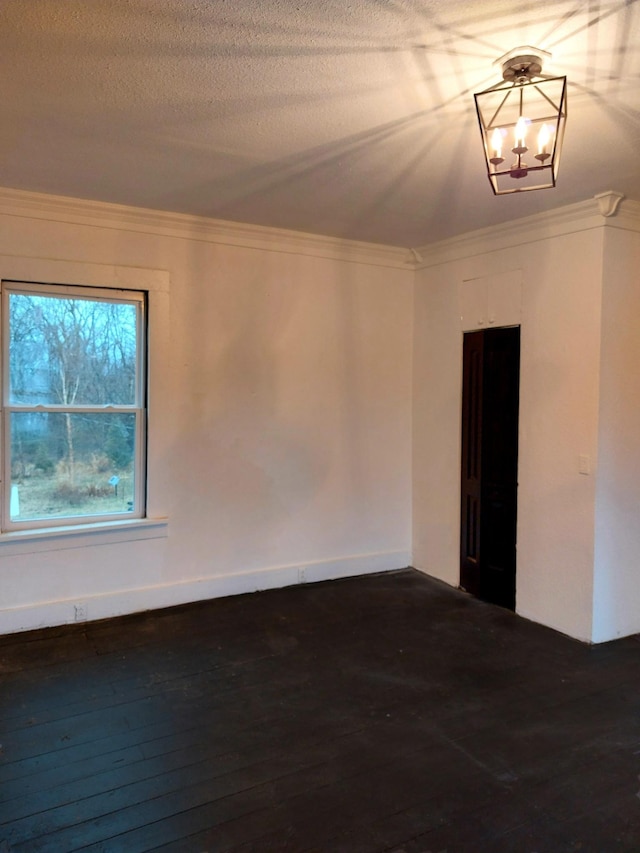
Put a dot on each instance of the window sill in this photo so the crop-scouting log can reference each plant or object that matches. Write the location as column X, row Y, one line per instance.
column 81, row 535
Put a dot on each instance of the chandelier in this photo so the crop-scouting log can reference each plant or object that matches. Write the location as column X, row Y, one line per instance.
column 522, row 121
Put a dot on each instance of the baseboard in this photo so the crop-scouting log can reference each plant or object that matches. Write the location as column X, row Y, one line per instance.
column 45, row 614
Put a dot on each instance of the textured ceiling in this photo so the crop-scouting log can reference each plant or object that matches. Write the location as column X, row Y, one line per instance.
column 352, row 119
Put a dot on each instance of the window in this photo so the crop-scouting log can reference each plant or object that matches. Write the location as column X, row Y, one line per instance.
column 74, row 393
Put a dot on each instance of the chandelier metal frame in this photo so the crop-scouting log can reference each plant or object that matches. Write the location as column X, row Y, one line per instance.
column 530, row 101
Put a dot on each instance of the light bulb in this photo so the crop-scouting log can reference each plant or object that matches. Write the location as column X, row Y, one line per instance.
column 520, row 134
column 543, row 139
column 496, row 143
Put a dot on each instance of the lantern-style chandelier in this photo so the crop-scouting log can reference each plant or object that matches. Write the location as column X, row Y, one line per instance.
column 522, row 121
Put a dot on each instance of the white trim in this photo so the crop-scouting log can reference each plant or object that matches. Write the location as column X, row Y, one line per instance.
column 583, row 216
column 568, row 219
column 65, row 537
column 107, row 605
column 201, row 228
column 54, row 270
column 62, row 290
column 155, row 282
column 626, row 218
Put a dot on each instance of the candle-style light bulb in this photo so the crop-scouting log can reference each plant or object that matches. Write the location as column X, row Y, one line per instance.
column 520, row 134
column 496, row 147
column 544, row 138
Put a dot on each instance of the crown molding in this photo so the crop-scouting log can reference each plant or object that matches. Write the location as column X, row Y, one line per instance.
column 608, row 210
column 603, row 210
column 21, row 203
column 627, row 217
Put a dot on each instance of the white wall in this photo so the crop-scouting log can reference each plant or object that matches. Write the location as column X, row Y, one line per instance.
column 561, row 289
column 617, row 551
column 283, row 425
column 281, row 411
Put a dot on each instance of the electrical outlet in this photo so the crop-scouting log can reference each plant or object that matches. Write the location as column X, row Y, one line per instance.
column 80, row 611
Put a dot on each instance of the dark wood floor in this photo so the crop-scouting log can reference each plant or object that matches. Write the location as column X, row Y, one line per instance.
column 380, row 713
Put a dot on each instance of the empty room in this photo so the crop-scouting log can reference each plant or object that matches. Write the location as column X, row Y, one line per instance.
column 319, row 457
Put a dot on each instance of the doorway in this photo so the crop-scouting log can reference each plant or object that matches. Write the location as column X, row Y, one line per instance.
column 489, row 482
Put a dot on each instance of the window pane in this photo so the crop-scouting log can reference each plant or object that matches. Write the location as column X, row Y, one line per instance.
column 69, row 351
column 65, row 465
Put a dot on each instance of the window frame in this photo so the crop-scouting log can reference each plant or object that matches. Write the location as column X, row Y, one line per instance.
column 110, row 294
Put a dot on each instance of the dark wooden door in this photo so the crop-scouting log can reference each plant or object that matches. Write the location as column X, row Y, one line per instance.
column 490, row 397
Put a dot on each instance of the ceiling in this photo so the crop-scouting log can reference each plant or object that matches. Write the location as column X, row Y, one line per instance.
column 350, row 118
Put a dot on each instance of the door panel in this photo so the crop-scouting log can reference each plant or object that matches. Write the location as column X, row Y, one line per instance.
column 490, row 464
column 470, row 538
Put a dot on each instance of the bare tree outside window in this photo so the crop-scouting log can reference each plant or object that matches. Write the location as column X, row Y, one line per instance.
column 74, row 402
